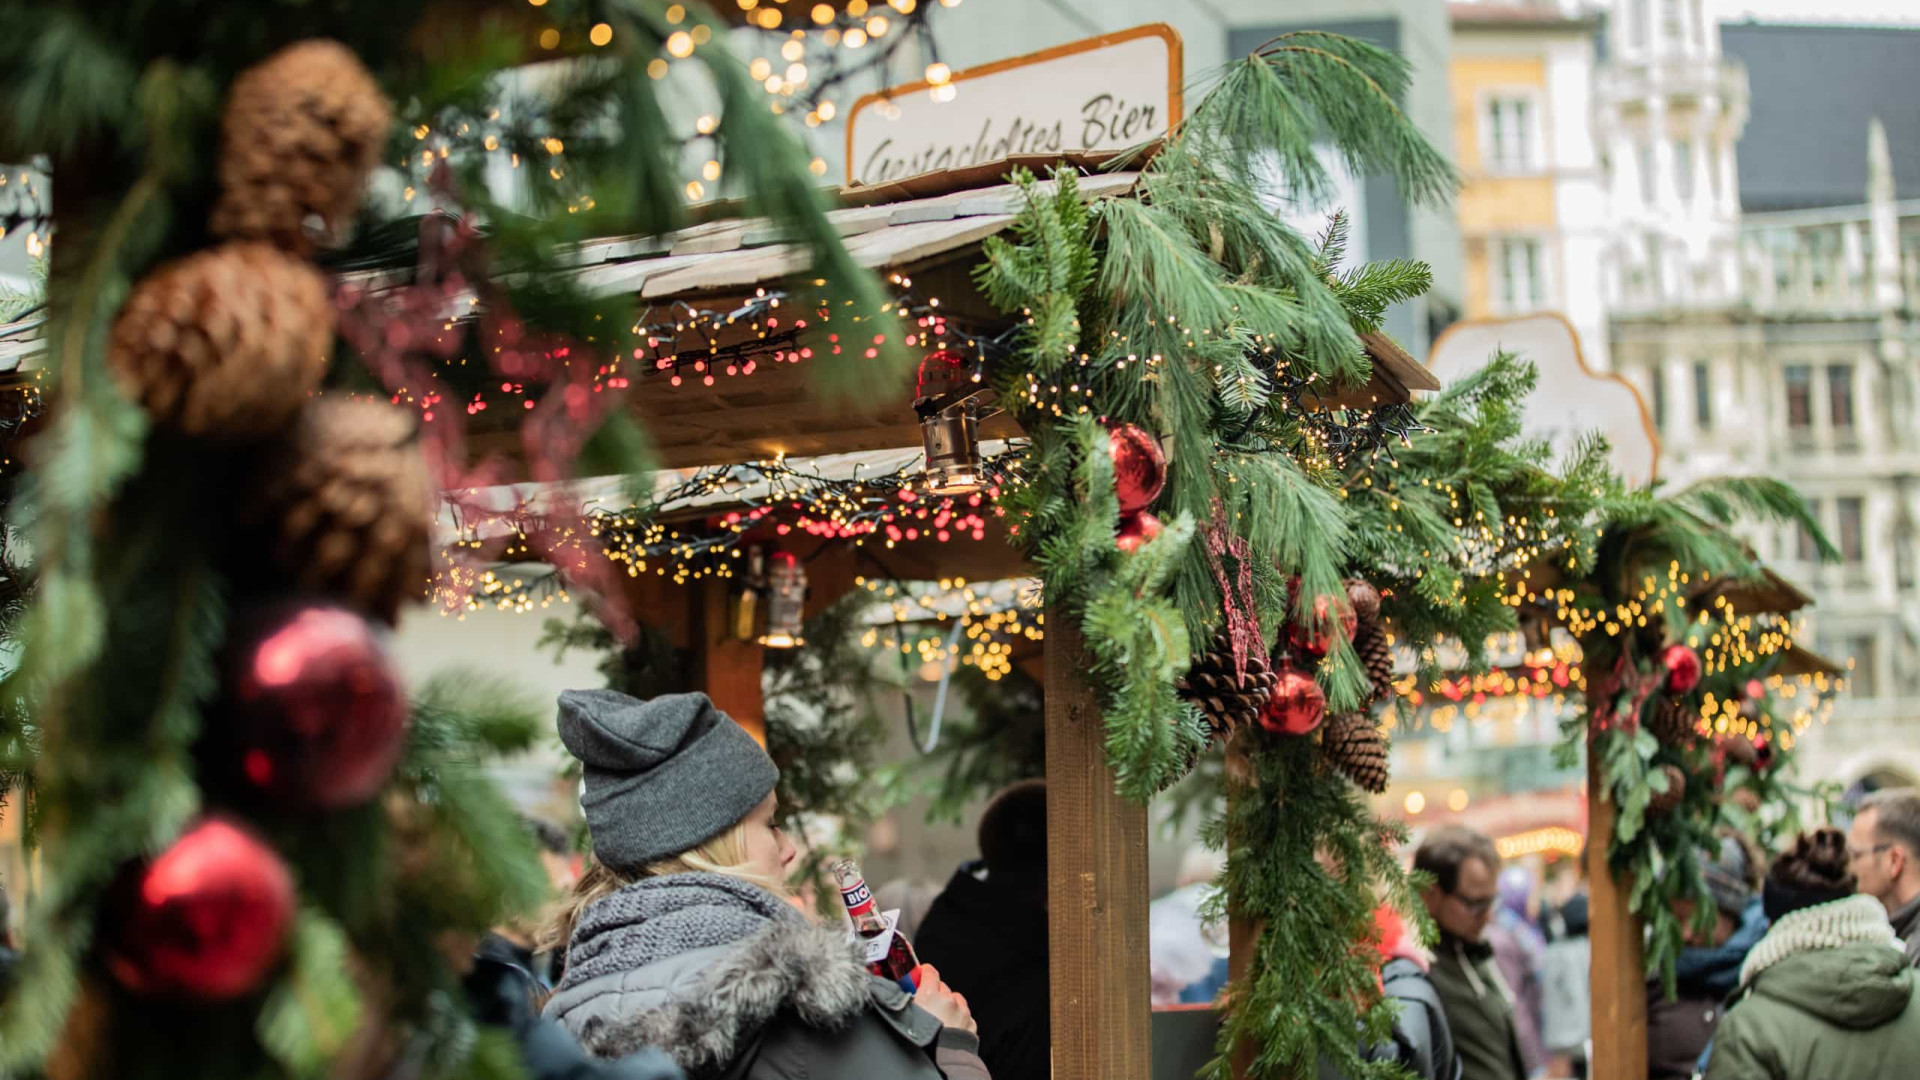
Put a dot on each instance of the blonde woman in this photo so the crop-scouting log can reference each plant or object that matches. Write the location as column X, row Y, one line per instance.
column 682, row 934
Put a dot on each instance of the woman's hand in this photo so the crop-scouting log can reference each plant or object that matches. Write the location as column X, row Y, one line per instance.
column 939, row 999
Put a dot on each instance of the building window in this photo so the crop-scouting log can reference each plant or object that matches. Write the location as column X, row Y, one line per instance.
column 1647, row 178
column 1510, row 134
column 1522, row 288
column 1657, row 381
column 1852, row 539
column 1683, row 169
column 1702, row 397
column 1866, row 673
column 1673, row 22
column 1840, row 398
column 1799, row 398
column 1803, row 547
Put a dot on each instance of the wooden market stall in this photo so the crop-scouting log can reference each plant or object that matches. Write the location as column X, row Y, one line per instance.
column 925, row 235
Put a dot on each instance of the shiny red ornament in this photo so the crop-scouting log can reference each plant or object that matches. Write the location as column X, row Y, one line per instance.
column 314, row 712
column 1296, row 706
column 1139, row 467
column 1683, row 668
column 1318, row 642
column 1135, row 530
column 206, row 919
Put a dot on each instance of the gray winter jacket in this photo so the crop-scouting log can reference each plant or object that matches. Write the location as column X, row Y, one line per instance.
column 788, row 1002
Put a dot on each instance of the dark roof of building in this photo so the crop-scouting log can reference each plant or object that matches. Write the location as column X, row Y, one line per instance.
column 1815, row 89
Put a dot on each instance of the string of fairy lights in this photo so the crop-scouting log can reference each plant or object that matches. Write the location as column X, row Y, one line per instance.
column 993, row 618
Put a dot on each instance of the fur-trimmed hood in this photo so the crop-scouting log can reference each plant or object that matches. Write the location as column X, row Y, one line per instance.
column 706, row 1007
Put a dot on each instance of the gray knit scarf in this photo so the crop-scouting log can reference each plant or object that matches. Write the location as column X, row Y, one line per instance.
column 657, row 918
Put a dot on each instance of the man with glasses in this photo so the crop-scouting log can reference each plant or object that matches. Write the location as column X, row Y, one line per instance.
column 1465, row 871
column 1883, row 850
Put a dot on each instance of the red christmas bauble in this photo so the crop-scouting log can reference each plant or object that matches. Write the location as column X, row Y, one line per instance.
column 1135, row 530
column 1683, row 668
column 205, row 919
column 1139, row 467
column 942, row 372
column 314, row 711
column 1318, row 642
column 1296, row 705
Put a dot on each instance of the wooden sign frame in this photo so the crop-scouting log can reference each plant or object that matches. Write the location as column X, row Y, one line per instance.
column 1176, row 76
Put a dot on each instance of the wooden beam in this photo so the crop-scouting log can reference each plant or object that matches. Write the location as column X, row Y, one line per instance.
column 1243, row 933
column 1096, row 884
column 1619, row 981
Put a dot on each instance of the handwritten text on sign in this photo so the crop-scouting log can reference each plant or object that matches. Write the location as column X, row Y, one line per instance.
column 1105, row 93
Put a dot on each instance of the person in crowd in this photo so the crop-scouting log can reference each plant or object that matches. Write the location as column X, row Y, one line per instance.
column 1566, row 1018
column 1679, row 1028
column 987, row 933
column 1186, row 957
column 1464, row 868
column 680, row 934
column 1884, row 845
column 9, row 959
column 1422, row 1043
column 512, row 946
column 1519, row 949
column 1827, row 992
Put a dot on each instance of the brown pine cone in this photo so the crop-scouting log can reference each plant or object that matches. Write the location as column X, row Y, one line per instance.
column 347, row 506
column 1353, row 745
column 1665, row 802
column 1226, row 700
column 1370, row 642
column 1365, row 600
column 1740, row 750
column 301, row 132
column 226, row 343
column 1673, row 724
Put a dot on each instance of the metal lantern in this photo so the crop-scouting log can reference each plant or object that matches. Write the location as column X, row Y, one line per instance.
column 786, row 602
column 951, row 400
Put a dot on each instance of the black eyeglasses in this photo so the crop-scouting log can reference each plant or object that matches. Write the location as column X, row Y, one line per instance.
column 1476, row 907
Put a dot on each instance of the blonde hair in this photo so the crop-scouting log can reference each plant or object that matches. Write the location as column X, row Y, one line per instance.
column 724, row 854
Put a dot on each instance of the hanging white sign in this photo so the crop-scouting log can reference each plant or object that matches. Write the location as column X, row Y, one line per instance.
column 1571, row 399
column 1103, row 93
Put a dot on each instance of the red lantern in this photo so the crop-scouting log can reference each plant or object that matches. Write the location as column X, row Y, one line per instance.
column 1139, row 467
column 1296, row 705
column 314, row 709
column 1135, row 530
column 1683, row 668
column 206, row 919
column 1317, row 642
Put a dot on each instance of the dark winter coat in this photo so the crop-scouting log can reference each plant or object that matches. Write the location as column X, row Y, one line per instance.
column 780, row 999
column 1906, row 923
column 992, row 947
column 1422, row 1041
column 1479, row 1009
column 1679, row 1028
column 1826, row 995
column 502, row 994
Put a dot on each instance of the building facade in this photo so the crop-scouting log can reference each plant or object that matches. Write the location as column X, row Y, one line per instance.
column 1782, row 342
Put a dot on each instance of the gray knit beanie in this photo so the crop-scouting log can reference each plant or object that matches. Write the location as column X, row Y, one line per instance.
column 662, row 776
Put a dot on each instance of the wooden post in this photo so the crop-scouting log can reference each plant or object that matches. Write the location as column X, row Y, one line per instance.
column 1619, row 980
column 1096, row 884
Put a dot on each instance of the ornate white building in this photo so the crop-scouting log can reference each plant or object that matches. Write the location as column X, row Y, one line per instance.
column 1780, row 343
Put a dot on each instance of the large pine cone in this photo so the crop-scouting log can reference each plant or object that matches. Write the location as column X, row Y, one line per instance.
column 1665, row 802
column 1227, row 701
column 1672, row 723
column 1354, row 746
column 347, row 505
column 226, row 343
column 1370, row 642
column 301, row 132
